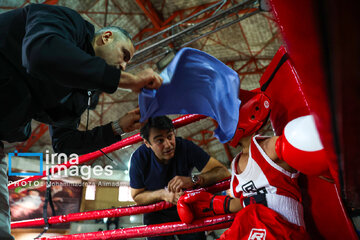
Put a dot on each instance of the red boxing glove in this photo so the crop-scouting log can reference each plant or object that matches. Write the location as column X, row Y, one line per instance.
column 201, row 204
column 301, row 148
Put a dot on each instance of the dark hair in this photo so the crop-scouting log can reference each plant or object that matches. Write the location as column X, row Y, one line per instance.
column 161, row 123
column 119, row 30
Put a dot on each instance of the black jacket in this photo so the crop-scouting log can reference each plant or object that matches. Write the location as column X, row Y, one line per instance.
column 47, row 67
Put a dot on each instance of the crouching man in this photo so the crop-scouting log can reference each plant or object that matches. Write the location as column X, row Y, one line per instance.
column 161, row 169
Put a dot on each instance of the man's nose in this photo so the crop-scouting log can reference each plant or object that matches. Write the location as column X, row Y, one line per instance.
column 167, row 143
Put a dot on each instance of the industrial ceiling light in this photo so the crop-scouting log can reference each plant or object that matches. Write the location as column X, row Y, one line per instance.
column 163, row 62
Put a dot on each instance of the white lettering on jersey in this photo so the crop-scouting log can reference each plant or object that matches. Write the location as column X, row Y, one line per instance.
column 257, row 234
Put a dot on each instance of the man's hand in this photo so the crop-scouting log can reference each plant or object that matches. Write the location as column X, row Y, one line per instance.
column 130, row 121
column 171, row 197
column 144, row 79
column 148, row 79
column 179, row 182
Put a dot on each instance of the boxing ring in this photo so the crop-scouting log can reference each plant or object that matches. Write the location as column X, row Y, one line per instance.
column 172, row 228
column 306, row 88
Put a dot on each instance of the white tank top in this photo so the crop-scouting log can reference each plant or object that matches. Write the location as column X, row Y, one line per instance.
column 262, row 175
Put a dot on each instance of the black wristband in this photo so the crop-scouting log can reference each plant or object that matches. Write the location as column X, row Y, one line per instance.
column 227, row 204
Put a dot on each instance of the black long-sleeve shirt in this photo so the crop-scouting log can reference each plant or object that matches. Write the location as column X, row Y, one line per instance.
column 47, row 65
column 69, row 140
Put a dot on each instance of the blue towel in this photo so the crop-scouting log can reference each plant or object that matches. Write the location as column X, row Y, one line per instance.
column 196, row 83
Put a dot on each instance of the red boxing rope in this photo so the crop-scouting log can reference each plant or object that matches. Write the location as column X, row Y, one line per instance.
column 72, row 217
column 173, row 228
column 178, row 122
column 118, row 212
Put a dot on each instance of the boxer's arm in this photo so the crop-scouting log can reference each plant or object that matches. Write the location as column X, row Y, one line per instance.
column 235, row 205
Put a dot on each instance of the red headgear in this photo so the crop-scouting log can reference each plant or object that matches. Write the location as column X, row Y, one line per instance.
column 253, row 112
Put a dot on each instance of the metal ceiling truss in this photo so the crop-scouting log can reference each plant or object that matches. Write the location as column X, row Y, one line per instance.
column 160, row 48
column 200, row 13
column 150, row 12
column 200, row 10
column 192, row 24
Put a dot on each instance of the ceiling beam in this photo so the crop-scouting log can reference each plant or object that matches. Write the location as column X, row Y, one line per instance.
column 51, row 2
column 150, row 12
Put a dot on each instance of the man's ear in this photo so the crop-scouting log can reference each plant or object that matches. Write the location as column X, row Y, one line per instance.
column 148, row 145
column 107, row 37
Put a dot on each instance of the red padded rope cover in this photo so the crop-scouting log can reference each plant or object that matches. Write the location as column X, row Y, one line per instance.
column 117, row 212
column 172, row 228
column 178, row 122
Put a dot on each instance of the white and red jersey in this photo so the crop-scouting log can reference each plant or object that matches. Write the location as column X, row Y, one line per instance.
column 262, row 176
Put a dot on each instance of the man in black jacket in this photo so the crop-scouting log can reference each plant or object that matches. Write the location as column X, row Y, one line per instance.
column 52, row 68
